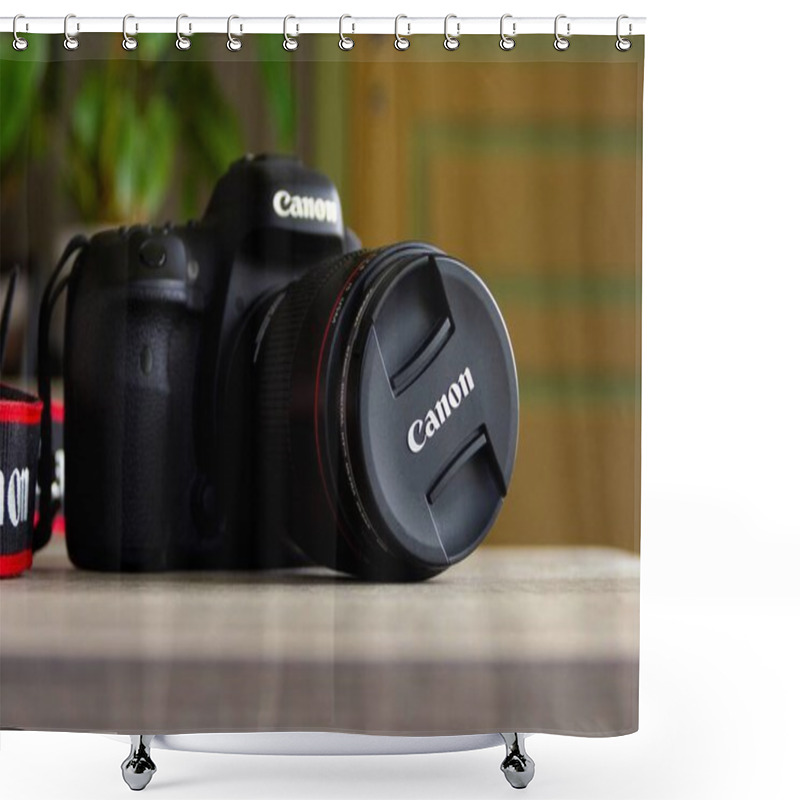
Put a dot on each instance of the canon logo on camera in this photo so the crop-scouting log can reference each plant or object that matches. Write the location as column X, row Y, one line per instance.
column 298, row 207
column 423, row 429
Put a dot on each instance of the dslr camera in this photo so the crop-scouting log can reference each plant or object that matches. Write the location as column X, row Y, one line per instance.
column 255, row 390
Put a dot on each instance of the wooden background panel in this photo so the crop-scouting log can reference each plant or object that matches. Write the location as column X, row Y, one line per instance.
column 399, row 113
column 576, row 476
column 527, row 213
column 570, row 339
column 506, row 86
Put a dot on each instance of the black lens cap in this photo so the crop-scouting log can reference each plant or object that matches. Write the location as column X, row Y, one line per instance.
column 432, row 409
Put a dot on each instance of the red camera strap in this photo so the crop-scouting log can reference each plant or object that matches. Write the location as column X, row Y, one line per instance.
column 20, row 426
column 26, row 440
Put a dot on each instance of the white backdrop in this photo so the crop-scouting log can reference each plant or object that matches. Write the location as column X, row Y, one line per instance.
column 720, row 696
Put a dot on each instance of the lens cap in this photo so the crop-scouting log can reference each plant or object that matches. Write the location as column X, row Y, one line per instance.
column 432, row 409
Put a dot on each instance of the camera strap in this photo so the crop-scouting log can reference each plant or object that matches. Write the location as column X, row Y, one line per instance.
column 20, row 419
column 26, row 439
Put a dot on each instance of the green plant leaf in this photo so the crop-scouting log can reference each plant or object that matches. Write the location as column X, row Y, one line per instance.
column 156, row 155
column 20, row 79
column 87, row 113
column 154, row 46
column 124, row 188
column 209, row 126
column 276, row 71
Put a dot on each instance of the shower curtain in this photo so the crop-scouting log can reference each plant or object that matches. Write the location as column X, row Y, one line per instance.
column 357, row 449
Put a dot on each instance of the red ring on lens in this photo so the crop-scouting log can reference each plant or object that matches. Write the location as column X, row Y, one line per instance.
column 345, row 287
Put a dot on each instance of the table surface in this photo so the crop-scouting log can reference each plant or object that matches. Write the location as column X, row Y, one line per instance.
column 546, row 638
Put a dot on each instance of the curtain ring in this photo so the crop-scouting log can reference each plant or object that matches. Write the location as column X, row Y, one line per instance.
column 451, row 42
column 128, row 42
column 623, row 44
column 560, row 42
column 289, row 42
column 345, row 42
column 507, row 42
column 19, row 43
column 400, row 42
column 70, row 42
column 182, row 42
column 234, row 42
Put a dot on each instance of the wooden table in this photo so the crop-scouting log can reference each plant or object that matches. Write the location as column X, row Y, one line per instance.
column 527, row 639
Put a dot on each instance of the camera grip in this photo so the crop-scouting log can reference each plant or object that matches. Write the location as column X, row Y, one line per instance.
column 129, row 375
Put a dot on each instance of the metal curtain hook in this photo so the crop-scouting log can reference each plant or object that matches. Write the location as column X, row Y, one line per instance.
column 400, row 42
column 182, row 42
column 623, row 44
column 19, row 43
column 345, row 42
column 560, row 42
column 451, row 42
column 128, row 42
column 289, row 42
column 234, row 42
column 507, row 42
column 70, row 42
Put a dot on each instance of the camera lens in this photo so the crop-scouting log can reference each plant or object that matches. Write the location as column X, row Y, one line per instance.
column 386, row 413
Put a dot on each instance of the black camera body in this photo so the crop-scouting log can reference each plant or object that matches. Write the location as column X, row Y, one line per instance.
column 254, row 391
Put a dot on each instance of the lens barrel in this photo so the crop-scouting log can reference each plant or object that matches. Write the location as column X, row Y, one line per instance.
column 387, row 413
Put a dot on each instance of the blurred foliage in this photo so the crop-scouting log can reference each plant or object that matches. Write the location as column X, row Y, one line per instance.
column 135, row 124
column 277, row 77
column 21, row 81
column 137, row 127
